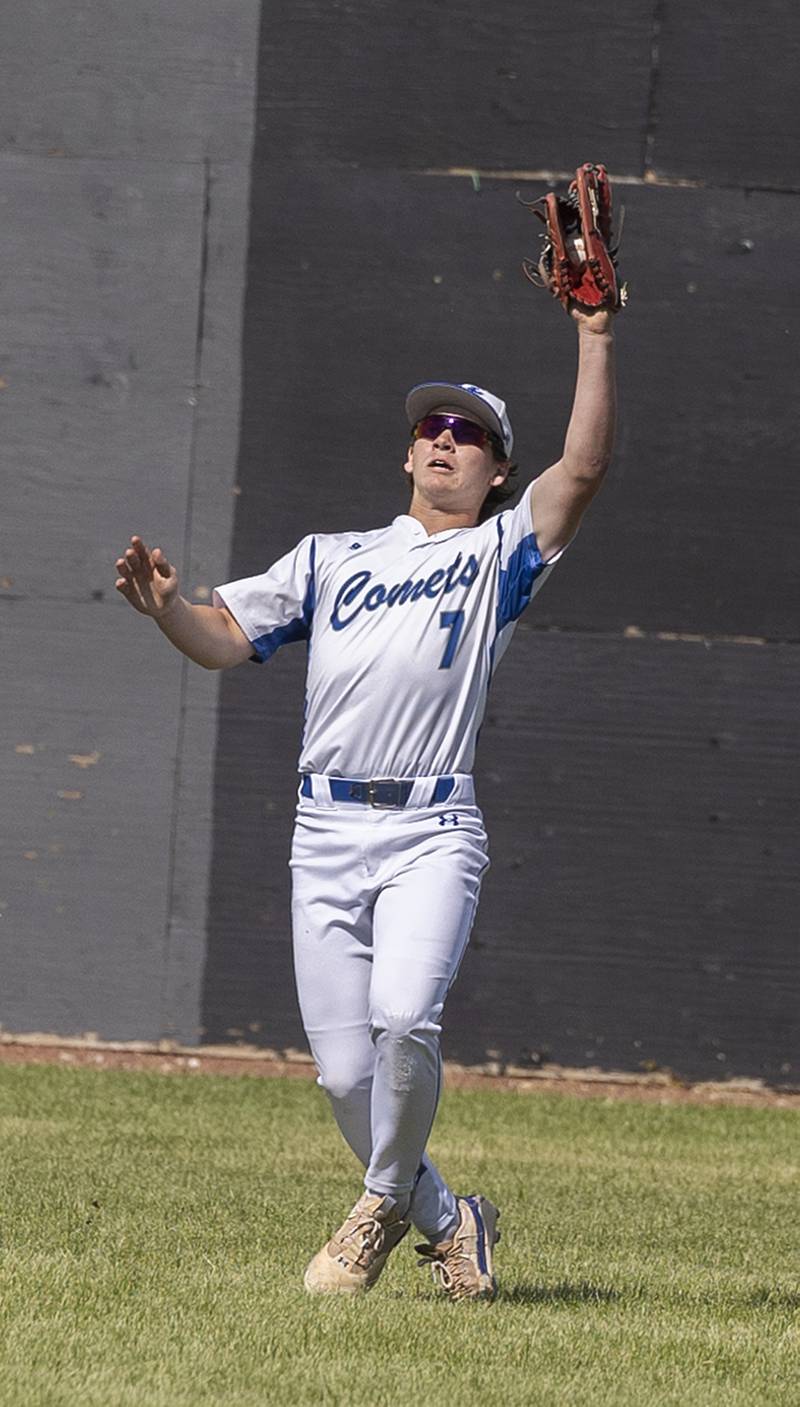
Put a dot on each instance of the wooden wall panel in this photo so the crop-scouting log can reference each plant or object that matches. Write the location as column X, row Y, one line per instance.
column 725, row 93
column 388, row 85
column 129, row 80
column 87, row 773
column 124, row 152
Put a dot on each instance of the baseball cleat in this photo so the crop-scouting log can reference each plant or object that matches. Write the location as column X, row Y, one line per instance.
column 356, row 1253
column 463, row 1267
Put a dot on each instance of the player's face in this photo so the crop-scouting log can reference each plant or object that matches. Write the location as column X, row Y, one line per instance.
column 449, row 475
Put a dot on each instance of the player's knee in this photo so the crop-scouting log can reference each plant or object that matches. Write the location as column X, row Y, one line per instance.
column 421, row 1022
column 408, row 1043
column 342, row 1081
column 407, row 1025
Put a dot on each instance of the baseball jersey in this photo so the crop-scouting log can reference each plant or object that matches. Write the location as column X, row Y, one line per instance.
column 404, row 633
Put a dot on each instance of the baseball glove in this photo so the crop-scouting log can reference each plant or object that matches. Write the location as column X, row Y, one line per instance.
column 578, row 260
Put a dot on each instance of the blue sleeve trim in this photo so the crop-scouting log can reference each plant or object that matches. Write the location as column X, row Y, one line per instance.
column 266, row 645
column 298, row 629
column 515, row 584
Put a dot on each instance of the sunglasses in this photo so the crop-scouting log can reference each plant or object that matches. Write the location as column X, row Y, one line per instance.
column 464, row 432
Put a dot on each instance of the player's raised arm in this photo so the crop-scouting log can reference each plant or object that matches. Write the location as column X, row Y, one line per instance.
column 578, row 265
column 209, row 635
column 561, row 495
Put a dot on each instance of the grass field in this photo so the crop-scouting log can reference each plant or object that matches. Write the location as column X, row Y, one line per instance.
column 155, row 1230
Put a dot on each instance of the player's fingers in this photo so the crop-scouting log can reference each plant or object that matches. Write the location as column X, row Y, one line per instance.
column 139, row 566
column 128, row 590
column 138, row 576
column 160, row 562
column 132, row 595
column 143, row 553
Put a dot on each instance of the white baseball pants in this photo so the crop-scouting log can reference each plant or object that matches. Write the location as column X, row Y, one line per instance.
column 383, row 904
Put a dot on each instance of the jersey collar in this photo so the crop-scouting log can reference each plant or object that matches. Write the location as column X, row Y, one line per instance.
column 414, row 529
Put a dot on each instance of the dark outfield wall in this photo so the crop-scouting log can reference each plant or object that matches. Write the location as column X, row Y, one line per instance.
column 638, row 763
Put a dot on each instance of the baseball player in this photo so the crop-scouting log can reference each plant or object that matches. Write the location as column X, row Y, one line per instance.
column 405, row 625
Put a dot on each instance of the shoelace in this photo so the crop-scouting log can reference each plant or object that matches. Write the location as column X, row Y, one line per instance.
column 452, row 1269
column 441, row 1275
column 366, row 1238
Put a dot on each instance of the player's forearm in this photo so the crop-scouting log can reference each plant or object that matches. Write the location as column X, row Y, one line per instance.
column 201, row 633
column 590, row 433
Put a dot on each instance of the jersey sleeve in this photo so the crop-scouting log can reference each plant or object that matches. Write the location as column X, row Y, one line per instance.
column 276, row 607
column 522, row 571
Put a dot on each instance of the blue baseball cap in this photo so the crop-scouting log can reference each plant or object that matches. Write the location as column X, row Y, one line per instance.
column 474, row 400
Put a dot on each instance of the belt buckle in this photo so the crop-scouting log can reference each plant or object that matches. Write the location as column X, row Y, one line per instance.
column 385, row 805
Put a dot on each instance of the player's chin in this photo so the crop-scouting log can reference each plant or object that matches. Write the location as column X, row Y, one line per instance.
column 444, row 481
column 440, row 496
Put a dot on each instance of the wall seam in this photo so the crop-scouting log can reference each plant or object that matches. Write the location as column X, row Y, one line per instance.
column 651, row 120
column 165, row 1023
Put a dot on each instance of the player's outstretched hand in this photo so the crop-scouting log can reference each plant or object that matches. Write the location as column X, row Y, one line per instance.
column 146, row 579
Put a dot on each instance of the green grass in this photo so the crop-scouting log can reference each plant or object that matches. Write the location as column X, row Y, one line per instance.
column 155, row 1229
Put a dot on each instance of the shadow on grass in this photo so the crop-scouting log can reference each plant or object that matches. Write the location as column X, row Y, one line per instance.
column 562, row 1293
column 767, row 1298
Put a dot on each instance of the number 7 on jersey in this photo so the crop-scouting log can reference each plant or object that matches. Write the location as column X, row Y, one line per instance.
column 454, row 622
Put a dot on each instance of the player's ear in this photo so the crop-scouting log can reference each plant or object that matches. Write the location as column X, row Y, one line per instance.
column 501, row 475
column 408, row 466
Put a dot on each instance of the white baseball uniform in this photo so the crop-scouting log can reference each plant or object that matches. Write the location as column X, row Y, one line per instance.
column 404, row 631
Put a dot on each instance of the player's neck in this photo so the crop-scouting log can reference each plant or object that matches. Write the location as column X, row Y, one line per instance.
column 436, row 520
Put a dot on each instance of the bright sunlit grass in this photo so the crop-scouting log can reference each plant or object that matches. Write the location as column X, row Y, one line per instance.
column 155, row 1229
